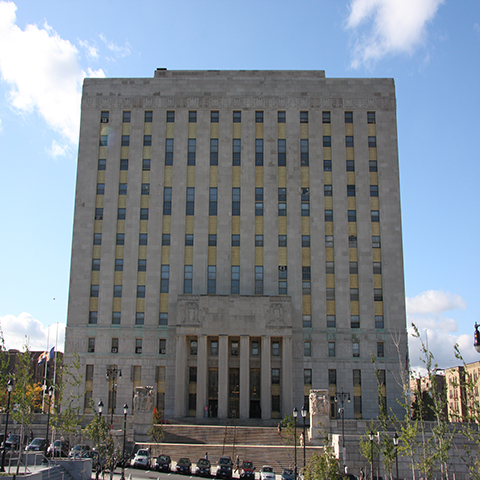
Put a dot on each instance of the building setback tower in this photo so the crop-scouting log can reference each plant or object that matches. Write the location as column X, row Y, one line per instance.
column 237, row 242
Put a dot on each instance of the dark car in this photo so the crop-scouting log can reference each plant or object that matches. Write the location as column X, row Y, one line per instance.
column 12, row 442
column 37, row 445
column 77, row 450
column 162, row 463
column 98, row 462
column 184, row 466
column 224, row 468
column 203, row 468
column 247, row 470
column 287, row 474
column 124, row 460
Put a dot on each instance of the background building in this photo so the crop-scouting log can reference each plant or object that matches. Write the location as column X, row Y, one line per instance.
column 462, row 384
column 237, row 242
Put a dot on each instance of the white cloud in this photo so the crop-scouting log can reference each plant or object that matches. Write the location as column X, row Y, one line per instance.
column 92, row 51
column 43, row 72
column 434, row 302
column 25, row 328
column 117, row 50
column 385, row 27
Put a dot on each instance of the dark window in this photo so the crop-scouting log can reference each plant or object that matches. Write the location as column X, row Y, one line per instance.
column 352, row 241
column 303, row 117
column 163, row 318
column 325, row 117
column 282, row 240
column 282, row 117
column 350, row 190
column 142, row 265
column 258, row 152
column 349, row 141
column 237, row 151
column 169, row 151
column 379, row 321
column 125, row 140
column 170, row 117
column 331, row 349
column 307, row 349
column 212, row 239
column 328, row 241
column 192, row 147
column 116, row 318
column 354, row 294
column 259, row 240
column 166, row 239
column 122, row 213
column 372, row 142
column 350, row 165
column 126, row 117
column 189, row 239
column 235, row 280
column 307, row 321
column 192, row 117
column 329, row 215
column 275, row 349
column 235, row 240
column 328, row 190
column 376, row 241
column 327, row 141
column 255, row 348
column 304, row 153
column 214, row 151
column 372, row 164
column 212, row 205
column 327, row 165
column 214, row 116
column 348, row 117
column 188, row 279
column 353, row 268
column 145, row 189
column 140, row 291
column 307, row 376
column 329, row 267
column 355, row 349
column 146, row 164
column 306, row 241
column 380, row 349
column 258, row 202
column 143, row 239
column 370, row 117
column 258, row 117
column 162, row 346
column 165, row 279
column 355, row 321
column 124, row 164
column 148, row 116
column 331, row 322
column 258, row 280
column 104, row 116
column 377, row 295
column 102, row 163
column 190, row 208
column 120, row 239
column 147, row 140
column 100, row 189
column 117, row 291
column 167, row 200
column 97, row 238
column 332, row 377
column 144, row 214
column 282, row 280
column 103, row 140
column 374, row 190
column 114, row 347
column 275, row 376
column 352, row 215
column 235, row 201
column 375, row 214
column 122, row 189
column 377, row 268
column 94, row 290
column 282, row 152
column 91, row 345
column 305, row 209
column 237, row 117
column 282, row 202
column 119, row 264
column 95, row 264
column 330, row 294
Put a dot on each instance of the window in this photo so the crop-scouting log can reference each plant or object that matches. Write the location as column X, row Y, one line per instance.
column 140, row 291
column 214, row 151
column 235, row 240
column 121, row 214
column 234, row 348
column 350, row 190
column 377, row 295
column 305, row 202
column 353, row 266
column 374, row 190
column 102, row 163
column 327, row 165
column 124, row 164
column 167, row 200
column 116, row 318
column 329, row 215
column 356, row 349
column 258, row 117
column 92, row 318
column 100, row 189
column 258, row 240
column 142, row 265
column 349, row 141
column 375, row 215
column 354, row 295
column 214, row 116
column 143, row 239
column 192, row 378
column 125, row 140
column 147, row 140
column 162, row 346
column 370, row 117
column 235, row 201
column 170, row 117
column 169, row 144
column 122, row 189
column 282, row 116
column 350, row 165
column 188, row 279
column 117, row 291
column 372, row 142
column 192, row 147
column 148, row 118
column 164, row 278
column 303, row 117
column 328, row 190
column 212, row 205
column 212, row 239
column 258, row 280
column 237, row 116
column 235, row 280
column 192, row 117
column 139, row 318
column 138, row 346
column 166, row 239
column 307, row 349
column 94, row 290
column 120, row 239
column 328, row 241
column 372, row 165
column 331, row 321
column 282, row 202
column 163, row 318
column 282, row 280
column 282, row 152
column 91, row 345
column 190, row 209
column 275, row 349
column 379, row 321
column 237, row 151
column 377, row 268
column 104, row 117
column 352, row 241
column 307, row 376
column 259, row 152
column 145, row 189
column 212, row 279
column 332, row 377
column 214, row 347
column 282, row 240
column 357, row 378
column 275, row 376
column 329, row 268
column 380, row 349
column 255, row 348
column 126, row 117
column 259, row 202
column 327, row 141
column 325, row 117
column 304, row 152
column 114, row 347
column 307, row 321
column 146, row 164
column 352, row 215
column 119, row 264
column 331, row 349
column 103, row 140
column 330, row 294
column 354, row 321
column 348, row 117
column 144, row 214
column 97, row 238
column 306, row 279
column 306, row 241
column 95, row 264
column 376, row 241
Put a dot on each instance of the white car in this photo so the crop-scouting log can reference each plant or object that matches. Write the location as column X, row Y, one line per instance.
column 141, row 459
column 267, row 473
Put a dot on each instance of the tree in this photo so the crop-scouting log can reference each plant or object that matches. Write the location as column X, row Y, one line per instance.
column 156, row 430
column 98, row 430
column 323, row 466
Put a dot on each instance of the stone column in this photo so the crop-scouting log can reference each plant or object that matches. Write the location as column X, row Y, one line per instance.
column 244, row 376
column 180, row 376
column 201, row 376
column 266, row 382
column 287, row 387
column 222, row 376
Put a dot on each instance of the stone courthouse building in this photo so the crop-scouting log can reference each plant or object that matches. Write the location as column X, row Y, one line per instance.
column 237, row 242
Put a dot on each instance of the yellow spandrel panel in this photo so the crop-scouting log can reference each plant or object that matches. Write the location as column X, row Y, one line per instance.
column 328, row 228
column 188, row 255
column 351, row 179
column 236, row 174
column 282, row 130
column 164, row 302
column 120, row 226
column 124, row 151
column 189, row 222
column 373, row 178
column 123, row 178
column 93, row 304
column 282, row 225
column 192, row 387
column 282, row 255
column 258, row 177
column 95, row 277
column 191, row 176
column 102, row 152
column 213, row 176
column 351, row 203
column 377, row 254
column 142, row 278
column 212, row 255
column 97, row 250
column 307, row 300
column 147, row 152
column 214, row 130
column 332, row 389
column 235, row 255
column 144, row 201
column 305, row 225
column 305, row 177
column 143, row 226
column 374, row 203
column 383, row 390
column 258, row 225
column 307, row 305
column 88, row 387
column 167, row 177
column 307, row 262
column 350, row 153
column 352, row 228
column 97, row 226
column 192, row 130
column 306, row 389
column 282, row 177
column 125, row 128
column 327, row 178
column 275, row 389
column 142, row 251
column 330, row 280
column 303, row 130
column 212, row 224
column 353, row 280
column 349, row 129
column 161, row 387
column 376, row 228
column 327, row 129
column 101, row 176
column 145, row 176
column 305, row 256
column 140, row 305
column 357, row 390
column 236, row 225
column 372, row 153
column 237, row 130
column 122, row 201
column 147, row 129
column 259, row 130
column 170, row 130
column 119, row 251
column 354, row 307
column 258, row 255
column 327, row 153
column 352, row 255
column 165, row 254
column 117, row 305
column 117, row 278
column 330, row 307
column 378, row 308
column 377, row 281
column 328, row 203
column 166, row 225
column 372, row 129
column 99, row 201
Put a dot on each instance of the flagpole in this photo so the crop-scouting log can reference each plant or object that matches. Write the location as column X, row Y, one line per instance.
column 45, row 372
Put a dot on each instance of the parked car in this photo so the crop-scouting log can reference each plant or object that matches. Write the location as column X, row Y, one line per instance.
column 247, row 470
column 98, row 462
column 225, row 468
column 267, row 473
column 77, row 450
column 141, row 459
column 162, row 463
column 203, row 468
column 12, row 442
column 288, row 474
column 37, row 445
column 184, row 465
column 59, row 448
column 124, row 460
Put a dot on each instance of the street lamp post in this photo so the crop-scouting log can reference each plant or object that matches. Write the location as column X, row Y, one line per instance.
column 476, row 338
column 9, row 391
column 304, row 414
column 100, row 408
column 50, row 393
column 295, row 413
column 395, row 442
column 125, row 412
column 113, row 373
column 341, row 397
column 370, row 436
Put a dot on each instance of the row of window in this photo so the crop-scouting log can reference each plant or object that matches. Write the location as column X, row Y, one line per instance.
column 162, row 345
column 307, row 349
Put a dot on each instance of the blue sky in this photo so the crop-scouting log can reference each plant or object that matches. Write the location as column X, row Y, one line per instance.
column 430, row 47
